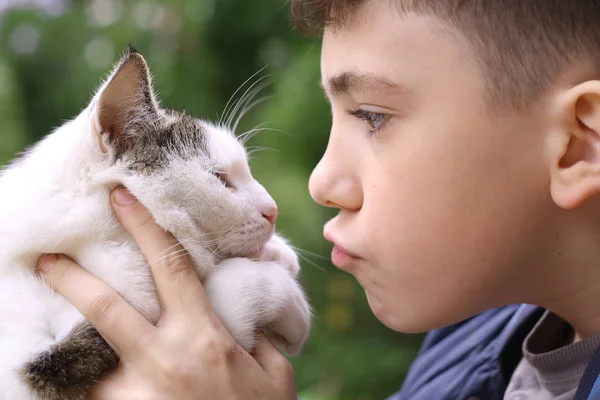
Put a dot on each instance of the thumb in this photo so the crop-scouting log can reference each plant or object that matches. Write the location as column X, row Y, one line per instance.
column 270, row 359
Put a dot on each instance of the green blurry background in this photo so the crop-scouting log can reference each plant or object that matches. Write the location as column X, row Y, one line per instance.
column 53, row 55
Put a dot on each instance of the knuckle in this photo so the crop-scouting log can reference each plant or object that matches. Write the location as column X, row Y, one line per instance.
column 145, row 219
column 229, row 349
column 216, row 349
column 176, row 264
column 61, row 272
column 144, row 341
column 177, row 370
column 103, row 305
column 284, row 366
column 225, row 348
column 179, row 263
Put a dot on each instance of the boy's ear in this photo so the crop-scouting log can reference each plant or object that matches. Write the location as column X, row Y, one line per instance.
column 575, row 177
column 125, row 99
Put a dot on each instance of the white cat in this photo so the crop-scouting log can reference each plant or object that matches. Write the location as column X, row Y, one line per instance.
column 194, row 178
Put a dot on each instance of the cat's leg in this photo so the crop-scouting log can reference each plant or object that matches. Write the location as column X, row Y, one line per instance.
column 278, row 249
column 70, row 368
column 40, row 351
column 248, row 295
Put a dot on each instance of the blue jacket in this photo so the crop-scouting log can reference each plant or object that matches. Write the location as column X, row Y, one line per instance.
column 475, row 358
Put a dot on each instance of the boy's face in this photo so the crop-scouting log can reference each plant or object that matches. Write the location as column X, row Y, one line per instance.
column 442, row 205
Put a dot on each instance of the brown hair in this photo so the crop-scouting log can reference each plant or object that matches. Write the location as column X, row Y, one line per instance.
column 522, row 45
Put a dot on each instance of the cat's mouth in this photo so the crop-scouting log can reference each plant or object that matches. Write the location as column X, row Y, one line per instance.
column 247, row 246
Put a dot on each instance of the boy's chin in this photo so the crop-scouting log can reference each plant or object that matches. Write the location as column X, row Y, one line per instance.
column 387, row 316
column 402, row 320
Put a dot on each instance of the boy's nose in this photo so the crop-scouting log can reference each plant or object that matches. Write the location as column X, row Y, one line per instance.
column 331, row 187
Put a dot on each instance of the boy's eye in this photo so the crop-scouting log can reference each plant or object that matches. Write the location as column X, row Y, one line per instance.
column 375, row 120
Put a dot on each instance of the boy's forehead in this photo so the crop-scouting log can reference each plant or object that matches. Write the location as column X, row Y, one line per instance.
column 389, row 51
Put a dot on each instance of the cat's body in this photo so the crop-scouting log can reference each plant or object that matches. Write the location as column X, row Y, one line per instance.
column 194, row 179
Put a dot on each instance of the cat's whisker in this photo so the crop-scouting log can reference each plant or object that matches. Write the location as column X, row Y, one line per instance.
column 246, row 136
column 311, row 262
column 248, row 108
column 182, row 242
column 219, row 247
column 223, row 242
column 193, row 239
column 299, row 250
column 250, row 154
column 168, row 249
column 217, row 240
column 226, row 231
column 261, row 148
column 183, row 251
column 241, row 136
column 252, row 91
column 253, row 159
column 258, row 126
column 248, row 96
column 170, row 256
column 242, row 109
column 57, row 242
column 225, row 110
column 167, row 252
column 256, row 149
column 178, row 255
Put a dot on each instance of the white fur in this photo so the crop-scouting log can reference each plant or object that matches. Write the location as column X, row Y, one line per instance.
column 55, row 200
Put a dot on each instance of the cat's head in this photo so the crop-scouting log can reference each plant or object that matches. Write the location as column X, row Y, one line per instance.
column 192, row 175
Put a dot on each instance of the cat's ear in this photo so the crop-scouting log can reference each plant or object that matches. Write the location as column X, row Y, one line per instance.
column 125, row 99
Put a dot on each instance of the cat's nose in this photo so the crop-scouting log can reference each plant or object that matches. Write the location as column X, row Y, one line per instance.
column 271, row 214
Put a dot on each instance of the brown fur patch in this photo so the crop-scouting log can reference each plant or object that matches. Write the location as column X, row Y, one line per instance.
column 69, row 369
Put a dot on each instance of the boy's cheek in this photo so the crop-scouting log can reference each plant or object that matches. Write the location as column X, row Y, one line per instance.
column 431, row 257
column 420, row 276
column 413, row 289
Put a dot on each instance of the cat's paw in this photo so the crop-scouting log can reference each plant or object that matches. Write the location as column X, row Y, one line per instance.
column 248, row 295
column 291, row 330
column 278, row 250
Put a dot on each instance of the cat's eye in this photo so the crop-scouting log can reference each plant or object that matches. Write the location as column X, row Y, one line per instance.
column 375, row 120
column 222, row 176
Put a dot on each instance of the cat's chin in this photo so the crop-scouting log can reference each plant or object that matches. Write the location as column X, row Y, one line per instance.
column 251, row 254
column 254, row 255
column 253, row 251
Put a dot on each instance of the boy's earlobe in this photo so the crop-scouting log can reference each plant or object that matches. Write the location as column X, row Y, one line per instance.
column 575, row 177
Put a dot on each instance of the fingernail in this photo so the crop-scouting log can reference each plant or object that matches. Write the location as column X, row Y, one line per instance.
column 123, row 197
column 47, row 262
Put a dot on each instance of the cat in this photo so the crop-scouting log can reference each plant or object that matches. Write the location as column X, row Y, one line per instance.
column 194, row 178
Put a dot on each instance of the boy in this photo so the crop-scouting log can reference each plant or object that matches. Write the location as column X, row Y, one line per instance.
column 464, row 158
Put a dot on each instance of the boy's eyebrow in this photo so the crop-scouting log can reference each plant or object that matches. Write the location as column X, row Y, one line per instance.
column 353, row 82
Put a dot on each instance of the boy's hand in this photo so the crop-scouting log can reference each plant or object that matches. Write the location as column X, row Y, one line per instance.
column 188, row 354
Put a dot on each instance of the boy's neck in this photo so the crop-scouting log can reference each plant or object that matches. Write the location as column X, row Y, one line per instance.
column 569, row 274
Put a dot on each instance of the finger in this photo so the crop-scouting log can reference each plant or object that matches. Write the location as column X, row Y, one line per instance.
column 123, row 327
column 271, row 360
column 176, row 281
column 111, row 387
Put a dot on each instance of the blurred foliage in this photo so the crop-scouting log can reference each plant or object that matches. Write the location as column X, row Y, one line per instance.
column 54, row 54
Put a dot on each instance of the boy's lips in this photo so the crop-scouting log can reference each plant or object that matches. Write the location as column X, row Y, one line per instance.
column 340, row 256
